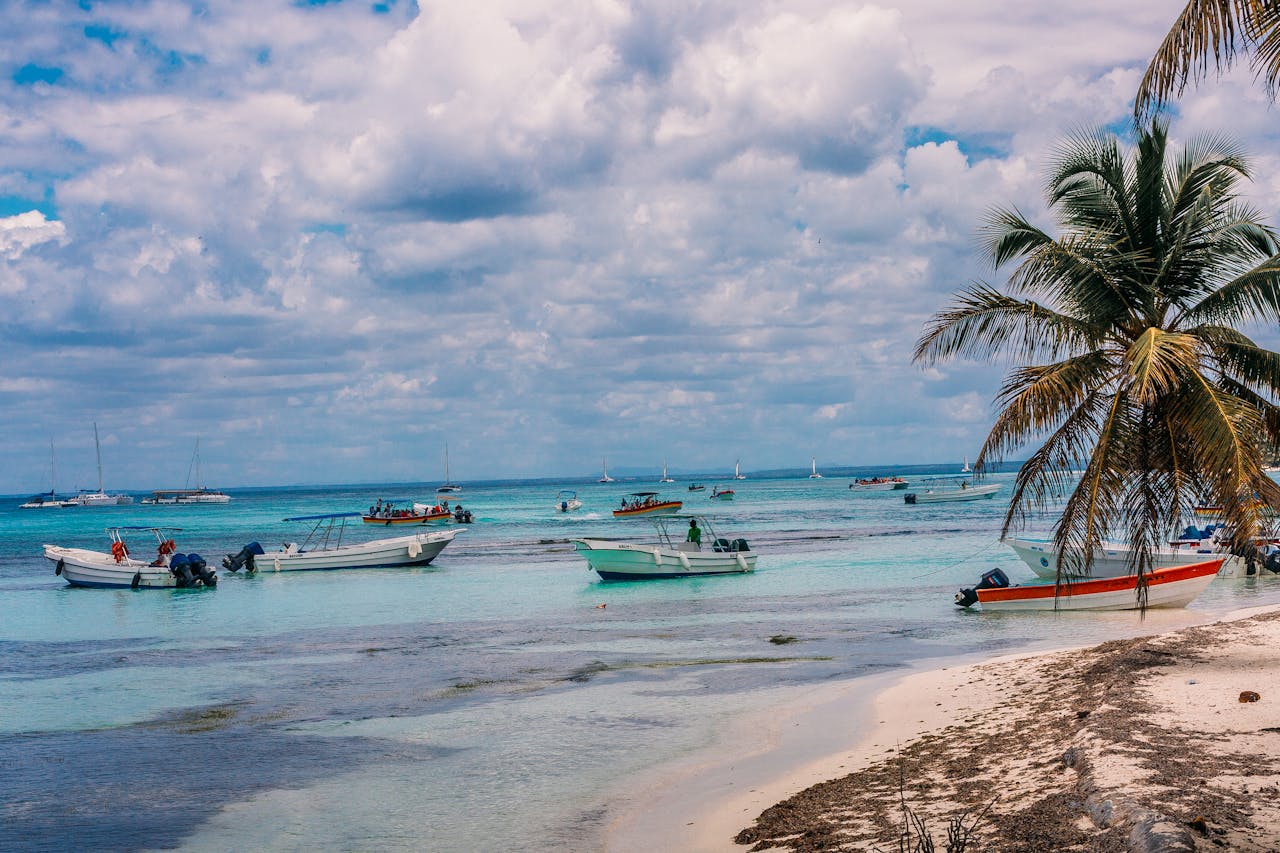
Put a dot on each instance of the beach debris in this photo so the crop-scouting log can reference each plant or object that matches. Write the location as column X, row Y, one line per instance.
column 602, row 605
column 1191, row 681
column 1249, row 696
column 782, row 639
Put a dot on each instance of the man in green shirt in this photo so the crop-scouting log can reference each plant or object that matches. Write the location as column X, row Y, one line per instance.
column 695, row 533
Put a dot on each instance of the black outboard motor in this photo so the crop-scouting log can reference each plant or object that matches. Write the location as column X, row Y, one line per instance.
column 461, row 516
column 201, row 569
column 1272, row 562
column 909, row 497
column 180, row 568
column 243, row 560
column 994, row 579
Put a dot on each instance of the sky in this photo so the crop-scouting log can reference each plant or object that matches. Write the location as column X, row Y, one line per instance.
column 328, row 238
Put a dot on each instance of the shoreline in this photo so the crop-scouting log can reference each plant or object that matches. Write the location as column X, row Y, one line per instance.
column 770, row 768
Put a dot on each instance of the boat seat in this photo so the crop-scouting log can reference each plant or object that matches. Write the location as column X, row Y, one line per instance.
column 721, row 545
column 740, row 545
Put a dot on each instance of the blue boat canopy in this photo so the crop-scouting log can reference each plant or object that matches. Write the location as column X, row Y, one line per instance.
column 326, row 515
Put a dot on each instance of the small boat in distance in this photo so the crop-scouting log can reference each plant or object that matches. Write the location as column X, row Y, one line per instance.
column 198, row 495
column 118, row 570
column 671, row 556
column 878, row 484
column 1172, row 587
column 946, row 489
column 448, row 485
column 567, row 501
column 646, row 503
column 665, row 478
column 389, row 512
column 696, row 487
column 737, row 475
column 813, row 461
column 85, row 497
column 49, row 499
column 604, row 471
column 966, row 469
column 323, row 549
column 719, row 494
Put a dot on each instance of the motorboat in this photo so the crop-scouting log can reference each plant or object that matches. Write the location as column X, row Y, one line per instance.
column 324, row 549
column 388, row 513
column 1172, row 587
column 944, row 489
column 198, row 495
column 86, row 497
column 665, row 478
column 1113, row 559
column 118, row 569
column 49, row 499
column 737, row 475
column 813, row 462
column 567, row 501
column 696, row 487
column 448, row 485
column 719, row 494
column 878, row 484
column 604, row 471
column 671, row 555
column 646, row 503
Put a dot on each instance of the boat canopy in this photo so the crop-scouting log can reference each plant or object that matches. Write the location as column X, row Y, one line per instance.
column 143, row 527
column 643, row 495
column 326, row 515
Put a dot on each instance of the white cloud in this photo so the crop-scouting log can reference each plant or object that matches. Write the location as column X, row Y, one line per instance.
column 19, row 233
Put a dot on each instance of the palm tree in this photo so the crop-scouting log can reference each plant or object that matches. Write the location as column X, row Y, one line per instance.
column 1220, row 29
column 1123, row 330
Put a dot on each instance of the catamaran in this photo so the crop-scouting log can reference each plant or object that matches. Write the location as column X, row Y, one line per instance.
column 736, row 474
column 813, row 461
column 604, row 471
column 100, row 497
column 50, row 499
column 665, row 478
column 448, row 485
column 198, row 495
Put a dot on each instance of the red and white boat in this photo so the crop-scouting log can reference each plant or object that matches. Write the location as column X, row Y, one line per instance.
column 1170, row 587
column 387, row 513
column 646, row 503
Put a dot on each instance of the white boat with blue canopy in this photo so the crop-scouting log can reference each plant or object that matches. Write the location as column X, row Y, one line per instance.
column 672, row 555
column 121, row 570
column 945, row 489
column 324, row 549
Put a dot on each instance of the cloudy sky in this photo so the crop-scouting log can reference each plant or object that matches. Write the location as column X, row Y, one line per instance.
column 327, row 238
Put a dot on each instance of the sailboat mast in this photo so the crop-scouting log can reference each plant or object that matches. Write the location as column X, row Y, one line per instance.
column 446, row 463
column 97, row 448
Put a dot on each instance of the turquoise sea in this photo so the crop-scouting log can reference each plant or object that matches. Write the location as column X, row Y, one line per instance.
column 485, row 702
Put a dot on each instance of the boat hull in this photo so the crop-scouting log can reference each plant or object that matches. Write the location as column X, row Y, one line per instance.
column 1166, row 588
column 425, row 518
column 662, row 508
column 973, row 493
column 569, row 506
column 625, row 561
column 1110, row 561
column 415, row 550
column 95, row 569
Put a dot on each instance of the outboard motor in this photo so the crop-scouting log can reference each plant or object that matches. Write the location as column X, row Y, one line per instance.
column 201, row 569
column 994, row 579
column 909, row 497
column 180, row 568
column 243, row 560
column 1272, row 562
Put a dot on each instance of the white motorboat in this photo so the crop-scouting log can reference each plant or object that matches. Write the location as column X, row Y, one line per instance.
column 1111, row 560
column 323, row 549
column 119, row 570
column 813, row 462
column 448, row 485
column 100, row 497
column 604, row 471
column 671, row 556
column 945, row 489
column 567, row 501
column 1172, row 587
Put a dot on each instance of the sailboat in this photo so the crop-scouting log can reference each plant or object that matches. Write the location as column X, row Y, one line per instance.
column 198, row 495
column 50, row 499
column 604, row 469
column 100, row 497
column 813, row 461
column 448, row 485
column 966, row 469
column 665, row 478
column 736, row 474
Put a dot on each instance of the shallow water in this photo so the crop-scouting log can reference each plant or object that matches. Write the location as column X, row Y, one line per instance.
column 483, row 702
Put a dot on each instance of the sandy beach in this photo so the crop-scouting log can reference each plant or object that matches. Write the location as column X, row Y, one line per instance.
column 1150, row 743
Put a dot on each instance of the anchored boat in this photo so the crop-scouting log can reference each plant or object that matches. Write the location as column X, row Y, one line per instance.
column 673, row 555
column 646, row 503
column 1172, row 587
column 323, row 549
column 119, row 570
column 946, row 489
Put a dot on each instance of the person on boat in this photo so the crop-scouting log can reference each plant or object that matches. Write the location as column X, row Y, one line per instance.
column 695, row 533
